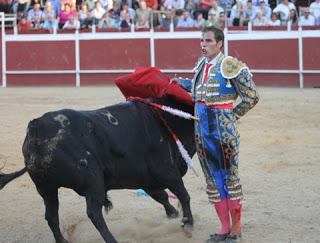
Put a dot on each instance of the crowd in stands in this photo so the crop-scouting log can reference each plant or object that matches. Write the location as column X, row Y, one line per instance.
column 142, row 14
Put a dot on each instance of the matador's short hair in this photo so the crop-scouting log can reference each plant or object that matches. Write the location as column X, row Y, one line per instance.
column 218, row 33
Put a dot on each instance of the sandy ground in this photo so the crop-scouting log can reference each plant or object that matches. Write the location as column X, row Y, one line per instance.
column 279, row 168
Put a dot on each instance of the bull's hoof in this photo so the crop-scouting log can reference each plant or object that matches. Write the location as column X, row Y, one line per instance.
column 172, row 213
column 187, row 229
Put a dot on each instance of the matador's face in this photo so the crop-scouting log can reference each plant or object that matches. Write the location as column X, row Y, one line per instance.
column 209, row 46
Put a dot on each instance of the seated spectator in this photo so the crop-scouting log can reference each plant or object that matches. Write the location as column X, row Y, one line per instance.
column 152, row 4
column 21, row 6
column 216, row 8
column 200, row 21
column 166, row 18
column 306, row 18
column 274, row 21
column 174, row 4
column 284, row 10
column 97, row 13
column 56, row 6
column 5, row 6
column 50, row 23
column 185, row 21
column 212, row 20
column 249, row 12
column 142, row 11
column 226, row 4
column 72, row 4
column 64, row 15
column 48, row 10
column 191, row 6
column 90, row 3
column 72, row 23
column 237, row 14
column 222, row 20
column 204, row 7
column 293, row 18
column 315, row 10
column 126, row 22
column 84, row 16
column 265, row 9
column 256, row 3
column 108, row 22
column 126, row 9
column 106, row 4
column 36, row 23
column 24, row 24
column 142, row 23
column 35, row 11
column 115, row 11
column 259, row 19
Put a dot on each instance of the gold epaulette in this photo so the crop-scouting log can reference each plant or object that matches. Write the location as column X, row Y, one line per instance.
column 231, row 67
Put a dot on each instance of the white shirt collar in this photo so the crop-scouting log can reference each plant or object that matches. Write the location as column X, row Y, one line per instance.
column 214, row 61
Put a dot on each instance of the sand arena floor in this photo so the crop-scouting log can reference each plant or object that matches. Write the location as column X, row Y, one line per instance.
column 279, row 168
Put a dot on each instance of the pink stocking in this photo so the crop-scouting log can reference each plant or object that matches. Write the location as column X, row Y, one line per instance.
column 235, row 208
column 223, row 214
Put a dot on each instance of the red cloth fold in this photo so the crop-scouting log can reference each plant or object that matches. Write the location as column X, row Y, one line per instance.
column 149, row 82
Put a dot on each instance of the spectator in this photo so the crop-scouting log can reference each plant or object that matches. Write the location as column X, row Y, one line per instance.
column 36, row 23
column 237, row 13
column 97, row 13
column 24, row 24
column 255, row 3
column 293, row 18
column 249, row 12
column 106, row 4
column 64, row 15
column 50, row 23
column 275, row 21
column 108, row 22
column 200, row 21
column 315, row 10
column 126, row 22
column 226, row 4
column 142, row 23
column 115, row 11
column 85, row 17
column 35, row 11
column 152, row 4
column 265, row 9
column 191, row 6
column 21, row 5
column 72, row 4
column 185, row 20
column 166, row 18
column 142, row 11
column 259, row 19
column 126, row 9
column 306, row 18
column 5, row 6
column 204, row 6
column 56, row 6
column 91, row 4
column 284, row 10
column 212, row 20
column 216, row 8
column 222, row 20
column 72, row 23
column 174, row 4
column 48, row 10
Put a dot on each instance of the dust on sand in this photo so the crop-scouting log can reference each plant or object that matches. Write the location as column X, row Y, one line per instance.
column 279, row 168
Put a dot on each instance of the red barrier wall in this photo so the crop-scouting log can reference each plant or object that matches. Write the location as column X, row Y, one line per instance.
column 177, row 54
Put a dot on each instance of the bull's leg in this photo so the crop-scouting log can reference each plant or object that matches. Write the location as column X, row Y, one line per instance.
column 162, row 197
column 94, row 211
column 177, row 188
column 51, row 201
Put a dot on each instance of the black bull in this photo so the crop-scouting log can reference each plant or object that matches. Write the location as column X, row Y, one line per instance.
column 116, row 147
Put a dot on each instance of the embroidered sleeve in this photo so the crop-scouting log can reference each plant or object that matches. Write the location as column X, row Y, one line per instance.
column 246, row 89
column 186, row 84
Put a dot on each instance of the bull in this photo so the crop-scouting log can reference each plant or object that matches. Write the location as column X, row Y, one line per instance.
column 124, row 146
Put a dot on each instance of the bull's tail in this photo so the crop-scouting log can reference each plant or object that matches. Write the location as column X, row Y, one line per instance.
column 6, row 178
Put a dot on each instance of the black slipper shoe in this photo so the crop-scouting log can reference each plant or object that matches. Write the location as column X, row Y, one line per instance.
column 217, row 238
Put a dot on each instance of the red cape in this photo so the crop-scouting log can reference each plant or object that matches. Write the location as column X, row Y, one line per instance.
column 149, row 82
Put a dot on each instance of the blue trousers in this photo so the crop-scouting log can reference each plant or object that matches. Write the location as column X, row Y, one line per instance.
column 217, row 140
